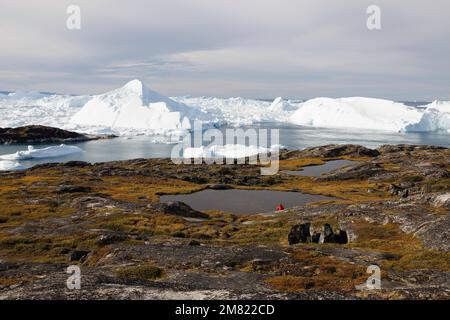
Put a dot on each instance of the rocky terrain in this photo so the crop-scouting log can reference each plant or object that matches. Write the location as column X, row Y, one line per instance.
column 42, row 134
column 392, row 209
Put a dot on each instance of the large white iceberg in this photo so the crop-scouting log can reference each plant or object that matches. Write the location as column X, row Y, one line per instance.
column 49, row 152
column 137, row 107
column 435, row 117
column 361, row 113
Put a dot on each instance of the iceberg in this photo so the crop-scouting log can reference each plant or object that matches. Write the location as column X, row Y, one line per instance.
column 436, row 117
column 134, row 106
column 239, row 111
column 6, row 165
column 22, row 109
column 229, row 151
column 360, row 113
column 49, row 152
column 32, row 95
column 135, row 110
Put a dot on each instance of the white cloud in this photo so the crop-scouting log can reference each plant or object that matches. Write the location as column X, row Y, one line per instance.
column 258, row 48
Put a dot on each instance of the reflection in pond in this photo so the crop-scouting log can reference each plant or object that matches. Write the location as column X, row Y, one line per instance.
column 243, row 201
column 316, row 171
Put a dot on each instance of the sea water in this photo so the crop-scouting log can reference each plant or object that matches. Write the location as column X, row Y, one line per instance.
column 291, row 137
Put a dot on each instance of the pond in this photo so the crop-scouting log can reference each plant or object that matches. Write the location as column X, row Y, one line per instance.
column 243, row 201
column 316, row 171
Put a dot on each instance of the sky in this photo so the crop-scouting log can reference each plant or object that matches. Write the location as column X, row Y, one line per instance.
column 250, row 48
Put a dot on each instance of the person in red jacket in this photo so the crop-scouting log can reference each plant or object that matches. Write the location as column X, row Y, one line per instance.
column 280, row 207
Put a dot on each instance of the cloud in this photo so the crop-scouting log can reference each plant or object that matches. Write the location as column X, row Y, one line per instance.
column 253, row 48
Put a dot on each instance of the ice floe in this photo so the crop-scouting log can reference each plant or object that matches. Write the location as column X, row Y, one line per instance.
column 229, row 151
column 6, row 165
column 49, row 152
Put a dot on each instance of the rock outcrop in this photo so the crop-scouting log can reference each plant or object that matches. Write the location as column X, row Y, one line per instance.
column 41, row 134
column 181, row 209
column 358, row 171
column 301, row 233
column 334, row 150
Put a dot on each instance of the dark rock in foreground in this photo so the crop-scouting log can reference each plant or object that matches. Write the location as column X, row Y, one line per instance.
column 78, row 255
column 181, row 209
column 301, row 233
column 328, row 236
column 65, row 188
column 42, row 134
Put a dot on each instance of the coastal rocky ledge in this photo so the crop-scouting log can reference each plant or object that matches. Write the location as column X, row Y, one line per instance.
column 43, row 134
column 391, row 209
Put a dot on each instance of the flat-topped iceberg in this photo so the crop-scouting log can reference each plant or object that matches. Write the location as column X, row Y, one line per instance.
column 137, row 107
column 361, row 113
column 49, row 152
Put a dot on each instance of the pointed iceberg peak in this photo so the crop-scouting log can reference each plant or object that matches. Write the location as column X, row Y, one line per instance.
column 134, row 106
column 135, row 85
column 136, row 88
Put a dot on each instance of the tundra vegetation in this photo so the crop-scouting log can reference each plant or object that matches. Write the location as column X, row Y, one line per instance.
column 393, row 204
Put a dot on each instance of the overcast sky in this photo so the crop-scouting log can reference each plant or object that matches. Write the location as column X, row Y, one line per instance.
column 250, row 48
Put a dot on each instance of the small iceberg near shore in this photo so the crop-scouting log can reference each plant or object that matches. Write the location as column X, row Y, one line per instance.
column 49, row 152
column 6, row 165
column 228, row 151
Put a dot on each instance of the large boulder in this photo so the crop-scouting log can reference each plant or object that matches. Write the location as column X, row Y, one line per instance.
column 328, row 236
column 181, row 209
column 300, row 233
